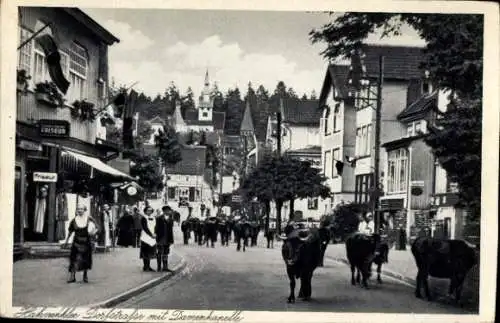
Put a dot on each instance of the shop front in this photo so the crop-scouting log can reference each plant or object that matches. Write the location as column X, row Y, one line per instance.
column 48, row 184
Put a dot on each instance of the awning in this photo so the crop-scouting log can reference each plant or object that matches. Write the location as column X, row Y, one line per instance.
column 98, row 164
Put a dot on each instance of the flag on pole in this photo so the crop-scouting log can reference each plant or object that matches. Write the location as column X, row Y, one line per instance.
column 53, row 59
column 128, row 116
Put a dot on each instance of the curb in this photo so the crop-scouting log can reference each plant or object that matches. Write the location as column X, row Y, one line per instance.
column 113, row 301
column 385, row 272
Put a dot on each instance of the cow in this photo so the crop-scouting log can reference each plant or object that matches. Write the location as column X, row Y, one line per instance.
column 254, row 233
column 360, row 250
column 242, row 231
column 271, row 232
column 177, row 217
column 186, row 230
column 211, row 224
column 225, row 232
column 440, row 258
column 301, row 251
column 198, row 228
column 381, row 257
column 324, row 233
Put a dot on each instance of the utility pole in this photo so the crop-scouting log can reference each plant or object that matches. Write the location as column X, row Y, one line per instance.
column 221, row 145
column 378, row 113
column 278, row 128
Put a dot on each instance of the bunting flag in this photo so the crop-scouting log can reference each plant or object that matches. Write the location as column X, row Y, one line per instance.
column 53, row 59
column 340, row 167
column 128, row 116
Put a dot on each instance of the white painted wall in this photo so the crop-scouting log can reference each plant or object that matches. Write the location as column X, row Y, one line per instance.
column 298, row 137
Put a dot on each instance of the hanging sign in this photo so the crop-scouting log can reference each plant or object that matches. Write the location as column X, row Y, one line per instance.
column 54, row 128
column 131, row 190
column 29, row 145
column 44, row 177
column 417, row 188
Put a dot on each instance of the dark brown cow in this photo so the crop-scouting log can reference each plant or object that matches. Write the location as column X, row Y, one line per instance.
column 301, row 251
column 439, row 258
column 360, row 250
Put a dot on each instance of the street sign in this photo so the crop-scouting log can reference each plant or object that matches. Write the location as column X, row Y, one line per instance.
column 236, row 198
column 417, row 183
column 54, row 128
column 44, row 177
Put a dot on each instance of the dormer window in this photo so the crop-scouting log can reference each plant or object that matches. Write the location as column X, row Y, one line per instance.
column 416, row 128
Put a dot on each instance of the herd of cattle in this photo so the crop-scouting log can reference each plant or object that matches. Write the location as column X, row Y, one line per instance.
column 303, row 250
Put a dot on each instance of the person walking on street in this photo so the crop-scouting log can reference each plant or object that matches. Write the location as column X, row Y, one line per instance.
column 366, row 224
column 126, row 229
column 84, row 229
column 137, row 227
column 108, row 226
column 164, row 237
column 148, row 243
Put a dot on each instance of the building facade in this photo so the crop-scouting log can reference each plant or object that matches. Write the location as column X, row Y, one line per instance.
column 337, row 138
column 52, row 138
column 300, row 139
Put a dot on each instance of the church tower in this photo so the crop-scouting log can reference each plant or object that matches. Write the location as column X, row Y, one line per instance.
column 206, row 102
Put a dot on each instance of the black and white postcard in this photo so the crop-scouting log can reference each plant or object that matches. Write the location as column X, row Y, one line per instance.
column 249, row 161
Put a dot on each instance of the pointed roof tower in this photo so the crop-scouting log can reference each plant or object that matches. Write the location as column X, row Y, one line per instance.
column 207, row 83
column 179, row 122
column 247, row 122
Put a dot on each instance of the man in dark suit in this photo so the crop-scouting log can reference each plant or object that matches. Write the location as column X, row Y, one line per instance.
column 164, row 237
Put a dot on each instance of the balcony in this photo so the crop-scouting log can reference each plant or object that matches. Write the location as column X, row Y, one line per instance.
column 30, row 110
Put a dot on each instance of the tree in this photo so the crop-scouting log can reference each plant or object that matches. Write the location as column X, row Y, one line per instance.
column 291, row 93
column 262, row 93
column 169, row 149
column 283, row 179
column 345, row 218
column 453, row 57
column 250, row 91
column 313, row 95
column 148, row 171
column 280, row 90
column 304, row 97
column 234, row 107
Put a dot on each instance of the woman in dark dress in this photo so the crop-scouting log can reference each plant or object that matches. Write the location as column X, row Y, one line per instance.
column 126, row 229
column 83, row 228
column 148, row 239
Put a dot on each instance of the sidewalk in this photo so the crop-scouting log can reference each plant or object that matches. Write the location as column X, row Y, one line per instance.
column 402, row 266
column 115, row 276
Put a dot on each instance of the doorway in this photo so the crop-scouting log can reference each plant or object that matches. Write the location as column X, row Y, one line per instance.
column 36, row 197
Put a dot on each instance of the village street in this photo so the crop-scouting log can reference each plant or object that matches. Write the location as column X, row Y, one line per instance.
column 221, row 278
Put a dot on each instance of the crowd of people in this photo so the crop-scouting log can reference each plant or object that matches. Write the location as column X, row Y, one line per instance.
column 151, row 233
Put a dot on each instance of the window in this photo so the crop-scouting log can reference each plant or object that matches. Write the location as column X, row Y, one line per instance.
column 363, row 140
column 328, row 163
column 416, row 128
column 78, row 63
column 326, row 116
column 397, row 171
column 336, row 118
column 363, row 187
column 205, row 114
column 312, row 203
column 336, row 157
column 171, row 193
column 25, row 52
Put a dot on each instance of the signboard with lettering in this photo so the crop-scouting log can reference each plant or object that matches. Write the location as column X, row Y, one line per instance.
column 29, row 145
column 54, row 128
column 44, row 177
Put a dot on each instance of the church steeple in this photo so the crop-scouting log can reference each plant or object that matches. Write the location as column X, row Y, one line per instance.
column 207, row 83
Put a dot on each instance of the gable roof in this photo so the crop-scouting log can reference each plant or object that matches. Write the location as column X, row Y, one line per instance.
column 218, row 119
column 419, row 106
column 92, row 25
column 336, row 76
column 156, row 120
column 192, row 163
column 400, row 62
column 301, row 112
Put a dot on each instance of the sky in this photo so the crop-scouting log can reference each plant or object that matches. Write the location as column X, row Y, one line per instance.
column 236, row 47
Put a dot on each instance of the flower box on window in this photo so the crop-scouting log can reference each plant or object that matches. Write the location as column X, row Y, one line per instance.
column 22, row 81
column 48, row 94
column 84, row 111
